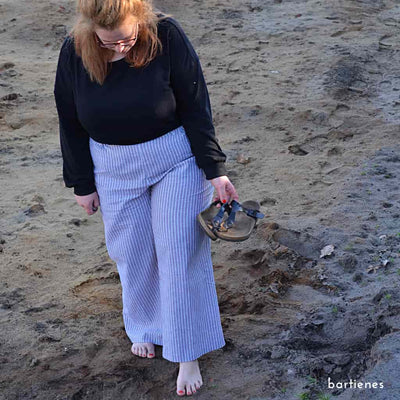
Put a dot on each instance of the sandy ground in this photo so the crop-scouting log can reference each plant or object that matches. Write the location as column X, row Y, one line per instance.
column 307, row 94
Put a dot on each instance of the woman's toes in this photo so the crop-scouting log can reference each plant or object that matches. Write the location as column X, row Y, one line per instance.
column 180, row 392
column 189, row 390
column 143, row 351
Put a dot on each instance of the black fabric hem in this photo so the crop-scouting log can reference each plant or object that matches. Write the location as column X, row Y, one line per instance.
column 83, row 190
column 215, row 170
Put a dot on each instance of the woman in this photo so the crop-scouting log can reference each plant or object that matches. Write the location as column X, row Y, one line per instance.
column 137, row 138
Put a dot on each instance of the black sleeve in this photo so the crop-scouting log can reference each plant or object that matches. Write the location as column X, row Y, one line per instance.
column 193, row 103
column 74, row 140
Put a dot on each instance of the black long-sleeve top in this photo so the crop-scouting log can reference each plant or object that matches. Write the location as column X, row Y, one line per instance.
column 134, row 105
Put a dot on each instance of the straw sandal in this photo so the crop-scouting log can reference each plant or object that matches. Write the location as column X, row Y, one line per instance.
column 232, row 222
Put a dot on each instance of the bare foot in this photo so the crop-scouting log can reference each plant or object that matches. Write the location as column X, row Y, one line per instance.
column 189, row 378
column 143, row 349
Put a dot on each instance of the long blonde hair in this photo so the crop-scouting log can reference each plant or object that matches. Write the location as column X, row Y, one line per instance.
column 109, row 14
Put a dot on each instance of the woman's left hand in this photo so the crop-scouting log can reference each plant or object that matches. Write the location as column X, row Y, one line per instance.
column 226, row 192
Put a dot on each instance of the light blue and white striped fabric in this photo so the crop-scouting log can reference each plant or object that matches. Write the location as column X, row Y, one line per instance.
column 150, row 194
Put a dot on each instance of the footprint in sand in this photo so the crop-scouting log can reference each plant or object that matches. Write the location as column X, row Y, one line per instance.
column 103, row 293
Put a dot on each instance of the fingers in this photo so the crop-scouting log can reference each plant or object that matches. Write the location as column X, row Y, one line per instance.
column 90, row 209
column 95, row 204
column 223, row 194
column 96, row 201
column 226, row 192
column 90, row 203
column 232, row 193
column 218, row 205
column 220, row 198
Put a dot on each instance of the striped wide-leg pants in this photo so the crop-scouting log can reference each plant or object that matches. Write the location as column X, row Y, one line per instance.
column 150, row 194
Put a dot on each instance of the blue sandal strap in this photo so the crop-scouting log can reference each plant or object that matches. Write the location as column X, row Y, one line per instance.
column 236, row 206
column 250, row 211
column 231, row 209
column 216, row 221
column 253, row 213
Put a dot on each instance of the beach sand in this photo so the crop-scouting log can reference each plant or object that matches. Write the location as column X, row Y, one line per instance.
column 305, row 98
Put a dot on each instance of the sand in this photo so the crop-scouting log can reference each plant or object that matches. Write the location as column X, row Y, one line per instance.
column 305, row 98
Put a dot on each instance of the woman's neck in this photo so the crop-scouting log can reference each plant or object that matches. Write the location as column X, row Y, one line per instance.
column 117, row 56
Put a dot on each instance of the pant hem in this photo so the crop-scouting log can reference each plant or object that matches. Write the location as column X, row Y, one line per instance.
column 156, row 342
column 196, row 355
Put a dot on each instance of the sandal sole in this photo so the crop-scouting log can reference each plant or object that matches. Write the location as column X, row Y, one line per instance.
column 205, row 218
column 243, row 225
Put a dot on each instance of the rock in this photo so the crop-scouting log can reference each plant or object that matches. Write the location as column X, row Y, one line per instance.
column 241, row 159
column 77, row 221
column 11, row 96
column 34, row 362
column 327, row 250
column 297, row 150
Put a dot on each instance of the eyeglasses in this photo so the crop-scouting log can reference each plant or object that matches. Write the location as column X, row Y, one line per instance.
column 125, row 43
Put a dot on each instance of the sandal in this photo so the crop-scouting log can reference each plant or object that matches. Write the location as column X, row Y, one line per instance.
column 211, row 218
column 236, row 226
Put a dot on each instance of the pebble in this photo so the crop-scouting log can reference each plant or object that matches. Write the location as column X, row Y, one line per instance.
column 34, row 362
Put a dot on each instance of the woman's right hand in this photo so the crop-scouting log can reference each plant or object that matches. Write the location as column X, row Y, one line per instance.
column 90, row 202
column 226, row 192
